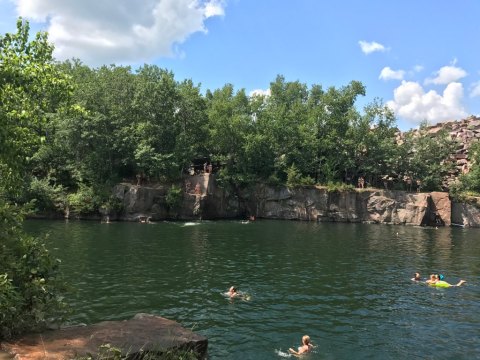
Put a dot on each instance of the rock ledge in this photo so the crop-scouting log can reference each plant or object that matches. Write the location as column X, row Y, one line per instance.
column 142, row 334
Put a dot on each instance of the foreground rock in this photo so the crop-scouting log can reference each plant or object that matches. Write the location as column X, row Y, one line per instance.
column 136, row 337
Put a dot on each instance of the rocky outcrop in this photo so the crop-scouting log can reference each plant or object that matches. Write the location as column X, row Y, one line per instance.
column 141, row 335
column 464, row 132
column 207, row 201
column 369, row 206
column 466, row 214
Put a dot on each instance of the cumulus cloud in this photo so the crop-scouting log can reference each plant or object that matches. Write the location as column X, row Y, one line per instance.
column 412, row 103
column 475, row 90
column 110, row 31
column 370, row 47
column 446, row 75
column 260, row 92
column 388, row 74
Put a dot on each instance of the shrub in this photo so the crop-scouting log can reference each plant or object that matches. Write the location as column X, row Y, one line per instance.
column 30, row 286
column 336, row 186
column 83, row 201
column 174, row 197
column 47, row 197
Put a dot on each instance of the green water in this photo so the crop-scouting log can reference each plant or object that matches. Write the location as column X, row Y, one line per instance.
column 347, row 286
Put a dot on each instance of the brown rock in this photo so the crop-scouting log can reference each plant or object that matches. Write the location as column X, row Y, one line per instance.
column 442, row 206
column 142, row 334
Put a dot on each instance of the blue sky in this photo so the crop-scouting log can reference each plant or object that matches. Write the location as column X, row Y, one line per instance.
column 419, row 57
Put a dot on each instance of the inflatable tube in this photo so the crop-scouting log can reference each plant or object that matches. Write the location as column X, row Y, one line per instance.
column 441, row 283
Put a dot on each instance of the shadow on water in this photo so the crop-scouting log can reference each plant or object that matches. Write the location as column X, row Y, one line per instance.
column 346, row 285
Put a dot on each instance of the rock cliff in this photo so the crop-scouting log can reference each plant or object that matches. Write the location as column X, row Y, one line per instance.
column 207, row 201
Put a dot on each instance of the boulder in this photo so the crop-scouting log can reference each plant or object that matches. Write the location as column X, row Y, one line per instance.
column 140, row 335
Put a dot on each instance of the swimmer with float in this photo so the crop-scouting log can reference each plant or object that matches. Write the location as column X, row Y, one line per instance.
column 437, row 281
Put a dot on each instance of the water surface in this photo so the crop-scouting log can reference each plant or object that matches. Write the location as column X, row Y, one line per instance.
column 346, row 285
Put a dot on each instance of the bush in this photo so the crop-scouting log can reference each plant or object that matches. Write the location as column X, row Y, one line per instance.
column 30, row 286
column 336, row 186
column 84, row 201
column 47, row 197
column 295, row 178
column 174, row 197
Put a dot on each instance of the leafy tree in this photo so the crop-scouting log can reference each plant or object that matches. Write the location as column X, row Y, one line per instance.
column 428, row 157
column 230, row 122
column 471, row 182
column 374, row 143
column 31, row 88
column 155, row 104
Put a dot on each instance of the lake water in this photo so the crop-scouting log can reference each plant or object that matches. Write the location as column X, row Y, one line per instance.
column 346, row 285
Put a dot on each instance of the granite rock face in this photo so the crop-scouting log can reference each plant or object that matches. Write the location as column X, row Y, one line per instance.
column 466, row 214
column 369, row 206
column 306, row 204
column 140, row 335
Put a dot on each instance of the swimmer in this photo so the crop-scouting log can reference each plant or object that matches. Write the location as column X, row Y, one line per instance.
column 416, row 277
column 232, row 292
column 437, row 280
column 305, row 348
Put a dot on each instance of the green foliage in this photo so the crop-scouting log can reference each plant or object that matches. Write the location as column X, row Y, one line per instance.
column 84, row 201
column 31, row 89
column 339, row 187
column 174, row 197
column 30, row 284
column 47, row 196
column 426, row 158
column 295, row 178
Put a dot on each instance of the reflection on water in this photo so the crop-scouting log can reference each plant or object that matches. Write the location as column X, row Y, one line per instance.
column 345, row 285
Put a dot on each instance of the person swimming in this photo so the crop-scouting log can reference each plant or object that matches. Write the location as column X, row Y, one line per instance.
column 305, row 348
column 437, row 280
column 232, row 292
column 416, row 277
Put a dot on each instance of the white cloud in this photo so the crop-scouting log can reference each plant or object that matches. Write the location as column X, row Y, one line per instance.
column 418, row 68
column 111, row 31
column 260, row 92
column 370, row 47
column 446, row 75
column 388, row 74
column 475, row 91
column 412, row 103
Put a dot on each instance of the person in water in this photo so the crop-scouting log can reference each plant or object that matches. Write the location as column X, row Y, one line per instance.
column 416, row 277
column 437, row 280
column 305, row 348
column 232, row 292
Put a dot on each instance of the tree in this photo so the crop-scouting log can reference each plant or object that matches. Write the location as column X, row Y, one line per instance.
column 31, row 88
column 428, row 157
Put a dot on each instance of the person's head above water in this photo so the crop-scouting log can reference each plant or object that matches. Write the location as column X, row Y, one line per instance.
column 416, row 276
column 306, row 340
column 233, row 289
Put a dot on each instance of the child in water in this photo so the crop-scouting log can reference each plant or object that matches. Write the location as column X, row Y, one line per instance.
column 306, row 346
